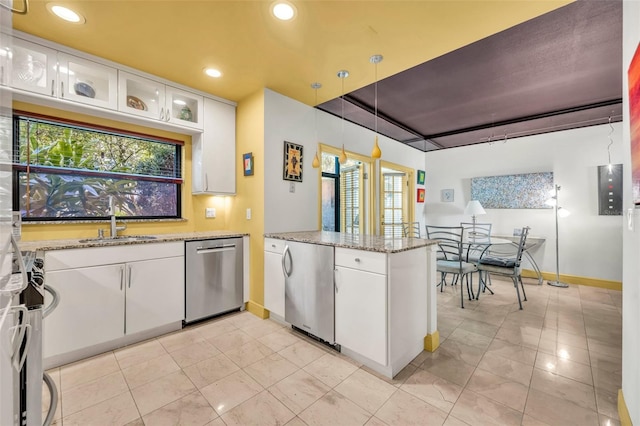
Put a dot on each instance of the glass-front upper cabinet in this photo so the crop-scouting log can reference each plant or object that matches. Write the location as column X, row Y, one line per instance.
column 48, row 72
column 153, row 99
column 183, row 107
column 88, row 82
column 140, row 96
column 33, row 67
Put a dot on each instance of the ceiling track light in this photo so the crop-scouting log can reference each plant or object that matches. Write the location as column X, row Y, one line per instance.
column 316, row 161
column 342, row 74
column 375, row 60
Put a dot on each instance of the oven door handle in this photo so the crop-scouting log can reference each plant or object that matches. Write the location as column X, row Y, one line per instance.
column 204, row 250
column 23, row 268
column 54, row 302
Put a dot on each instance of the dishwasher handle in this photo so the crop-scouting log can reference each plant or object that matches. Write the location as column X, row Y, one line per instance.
column 205, row 250
column 284, row 263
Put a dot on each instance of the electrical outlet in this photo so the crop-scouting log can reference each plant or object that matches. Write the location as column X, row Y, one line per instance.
column 292, row 187
column 248, row 214
column 210, row 212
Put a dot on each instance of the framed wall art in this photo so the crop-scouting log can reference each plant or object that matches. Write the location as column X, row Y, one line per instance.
column 247, row 163
column 420, row 177
column 634, row 124
column 421, row 195
column 292, row 162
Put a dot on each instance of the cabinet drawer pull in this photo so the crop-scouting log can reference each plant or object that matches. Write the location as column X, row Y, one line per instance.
column 357, row 259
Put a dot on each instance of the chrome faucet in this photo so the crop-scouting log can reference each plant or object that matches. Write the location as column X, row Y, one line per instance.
column 112, row 214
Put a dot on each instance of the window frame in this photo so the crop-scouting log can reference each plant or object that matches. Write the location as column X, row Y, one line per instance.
column 17, row 168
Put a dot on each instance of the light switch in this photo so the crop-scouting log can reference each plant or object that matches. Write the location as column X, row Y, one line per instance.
column 292, row 187
column 248, row 214
column 210, row 212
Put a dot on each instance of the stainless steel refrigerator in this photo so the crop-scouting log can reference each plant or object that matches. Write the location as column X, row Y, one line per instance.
column 309, row 288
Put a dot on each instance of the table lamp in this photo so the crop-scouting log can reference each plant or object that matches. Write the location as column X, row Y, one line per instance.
column 474, row 208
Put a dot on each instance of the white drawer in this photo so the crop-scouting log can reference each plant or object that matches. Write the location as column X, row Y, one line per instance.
column 274, row 245
column 93, row 256
column 362, row 260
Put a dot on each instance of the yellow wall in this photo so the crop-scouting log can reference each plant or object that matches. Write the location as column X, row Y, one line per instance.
column 230, row 211
column 250, row 192
column 192, row 207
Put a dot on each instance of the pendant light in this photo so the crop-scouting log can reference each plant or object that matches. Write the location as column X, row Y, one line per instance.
column 316, row 161
column 609, row 146
column 375, row 60
column 342, row 74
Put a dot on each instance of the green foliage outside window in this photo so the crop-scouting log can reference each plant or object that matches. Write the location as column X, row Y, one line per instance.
column 69, row 171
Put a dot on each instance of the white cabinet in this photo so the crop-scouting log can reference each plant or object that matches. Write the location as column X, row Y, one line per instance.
column 91, row 308
column 152, row 99
column 154, row 293
column 214, row 151
column 274, row 276
column 48, row 72
column 107, row 293
column 361, row 303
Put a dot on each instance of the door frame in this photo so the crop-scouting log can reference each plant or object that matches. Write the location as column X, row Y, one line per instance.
column 367, row 187
column 410, row 191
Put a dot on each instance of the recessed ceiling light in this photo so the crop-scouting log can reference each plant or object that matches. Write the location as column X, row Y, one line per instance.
column 283, row 10
column 212, row 72
column 65, row 13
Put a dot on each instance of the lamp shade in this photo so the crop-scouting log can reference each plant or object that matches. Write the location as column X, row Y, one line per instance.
column 474, row 208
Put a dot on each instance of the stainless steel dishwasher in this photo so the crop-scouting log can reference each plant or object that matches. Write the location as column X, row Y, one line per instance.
column 213, row 277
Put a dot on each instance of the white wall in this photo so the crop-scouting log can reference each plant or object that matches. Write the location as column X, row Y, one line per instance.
column 292, row 121
column 590, row 245
column 631, row 244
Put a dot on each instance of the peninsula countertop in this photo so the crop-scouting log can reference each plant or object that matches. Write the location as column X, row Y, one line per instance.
column 47, row 245
column 358, row 242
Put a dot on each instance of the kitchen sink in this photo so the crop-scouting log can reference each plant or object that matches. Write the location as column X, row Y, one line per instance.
column 120, row 239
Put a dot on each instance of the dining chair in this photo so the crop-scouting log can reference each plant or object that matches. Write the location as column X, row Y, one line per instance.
column 411, row 229
column 508, row 266
column 451, row 259
column 478, row 235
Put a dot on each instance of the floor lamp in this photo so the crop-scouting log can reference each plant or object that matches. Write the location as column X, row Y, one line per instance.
column 559, row 211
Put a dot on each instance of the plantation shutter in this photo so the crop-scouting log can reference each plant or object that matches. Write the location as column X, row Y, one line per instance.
column 394, row 190
column 350, row 183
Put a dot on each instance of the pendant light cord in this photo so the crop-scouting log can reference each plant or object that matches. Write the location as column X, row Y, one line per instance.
column 610, row 141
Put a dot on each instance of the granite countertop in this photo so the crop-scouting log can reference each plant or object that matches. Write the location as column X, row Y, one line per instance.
column 47, row 245
column 358, row 242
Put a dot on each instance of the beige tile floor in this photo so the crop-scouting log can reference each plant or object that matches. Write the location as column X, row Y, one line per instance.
column 557, row 362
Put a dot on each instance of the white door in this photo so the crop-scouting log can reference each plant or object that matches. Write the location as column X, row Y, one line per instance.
column 361, row 312
column 155, row 293
column 91, row 309
column 273, row 282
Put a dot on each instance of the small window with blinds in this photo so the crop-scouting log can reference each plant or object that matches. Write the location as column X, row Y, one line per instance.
column 394, row 185
column 350, row 198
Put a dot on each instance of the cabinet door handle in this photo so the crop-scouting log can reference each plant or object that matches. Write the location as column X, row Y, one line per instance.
column 2, row 74
column 129, row 276
column 161, row 114
column 121, row 277
column 53, row 85
column 206, row 182
column 335, row 280
column 62, row 89
column 357, row 259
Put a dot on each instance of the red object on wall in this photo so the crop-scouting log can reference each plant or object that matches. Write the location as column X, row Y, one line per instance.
column 421, row 195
